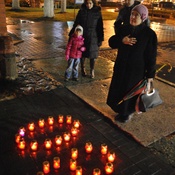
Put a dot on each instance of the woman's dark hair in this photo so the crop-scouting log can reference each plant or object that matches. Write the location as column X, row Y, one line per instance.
column 93, row 1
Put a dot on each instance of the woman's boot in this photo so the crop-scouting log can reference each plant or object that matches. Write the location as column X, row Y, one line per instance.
column 83, row 72
column 92, row 64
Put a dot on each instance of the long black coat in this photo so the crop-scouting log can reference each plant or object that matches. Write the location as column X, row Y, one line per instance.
column 92, row 23
column 133, row 63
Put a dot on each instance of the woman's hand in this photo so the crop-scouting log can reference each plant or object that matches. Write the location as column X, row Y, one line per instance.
column 128, row 40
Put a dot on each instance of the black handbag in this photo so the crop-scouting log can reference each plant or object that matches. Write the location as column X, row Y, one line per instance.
column 146, row 101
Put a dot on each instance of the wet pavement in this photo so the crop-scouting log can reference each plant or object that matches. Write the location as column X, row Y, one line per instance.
column 44, row 44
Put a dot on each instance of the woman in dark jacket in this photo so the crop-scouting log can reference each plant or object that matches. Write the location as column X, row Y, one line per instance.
column 90, row 18
column 136, row 59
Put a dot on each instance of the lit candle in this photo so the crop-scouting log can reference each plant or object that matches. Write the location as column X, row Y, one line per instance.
column 40, row 173
column 66, row 136
column 58, row 140
column 46, row 167
column 68, row 119
column 96, row 171
column 111, row 156
column 22, row 131
column 76, row 123
column 56, row 162
column 22, row 144
column 34, row 145
column 17, row 138
column 60, row 119
column 74, row 153
column 50, row 120
column 109, row 168
column 31, row 126
column 48, row 144
column 73, row 164
column 74, row 131
column 88, row 147
column 78, row 170
column 41, row 123
column 104, row 148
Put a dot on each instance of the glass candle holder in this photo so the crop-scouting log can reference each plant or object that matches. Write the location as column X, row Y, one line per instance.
column 111, row 156
column 40, row 173
column 109, row 168
column 68, row 119
column 48, row 143
column 34, row 145
column 41, row 123
column 22, row 144
column 79, row 170
column 50, row 120
column 88, row 147
column 96, row 171
column 66, row 136
column 74, row 153
column 73, row 164
column 31, row 126
column 58, row 140
column 76, row 123
column 22, row 131
column 60, row 119
column 46, row 167
column 56, row 162
column 17, row 138
column 104, row 148
column 74, row 131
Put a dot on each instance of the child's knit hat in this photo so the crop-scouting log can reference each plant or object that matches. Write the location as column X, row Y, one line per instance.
column 79, row 27
column 142, row 10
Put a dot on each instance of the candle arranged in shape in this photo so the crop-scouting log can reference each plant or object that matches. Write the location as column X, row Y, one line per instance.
column 31, row 126
column 68, row 119
column 88, row 147
column 58, row 140
column 50, row 120
column 73, row 164
column 96, row 171
column 48, row 143
column 56, row 162
column 60, row 119
column 41, row 123
column 109, row 168
column 34, row 145
column 111, row 156
column 46, row 167
column 79, row 170
column 104, row 148
column 74, row 153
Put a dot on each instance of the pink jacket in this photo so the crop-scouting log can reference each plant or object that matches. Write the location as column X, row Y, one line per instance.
column 75, row 47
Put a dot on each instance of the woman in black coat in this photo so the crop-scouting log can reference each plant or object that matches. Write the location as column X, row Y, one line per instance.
column 90, row 18
column 136, row 60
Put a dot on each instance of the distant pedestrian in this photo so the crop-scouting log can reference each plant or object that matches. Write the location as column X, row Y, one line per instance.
column 123, row 17
column 90, row 18
column 73, row 53
column 136, row 60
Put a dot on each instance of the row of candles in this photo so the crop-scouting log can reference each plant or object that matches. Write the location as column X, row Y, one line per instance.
column 109, row 168
column 50, row 121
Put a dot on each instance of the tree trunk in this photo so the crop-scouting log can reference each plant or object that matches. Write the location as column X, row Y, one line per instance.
column 8, row 68
column 63, row 6
column 49, row 8
column 15, row 4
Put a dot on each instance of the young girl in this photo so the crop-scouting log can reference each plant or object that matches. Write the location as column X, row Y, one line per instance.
column 74, row 53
